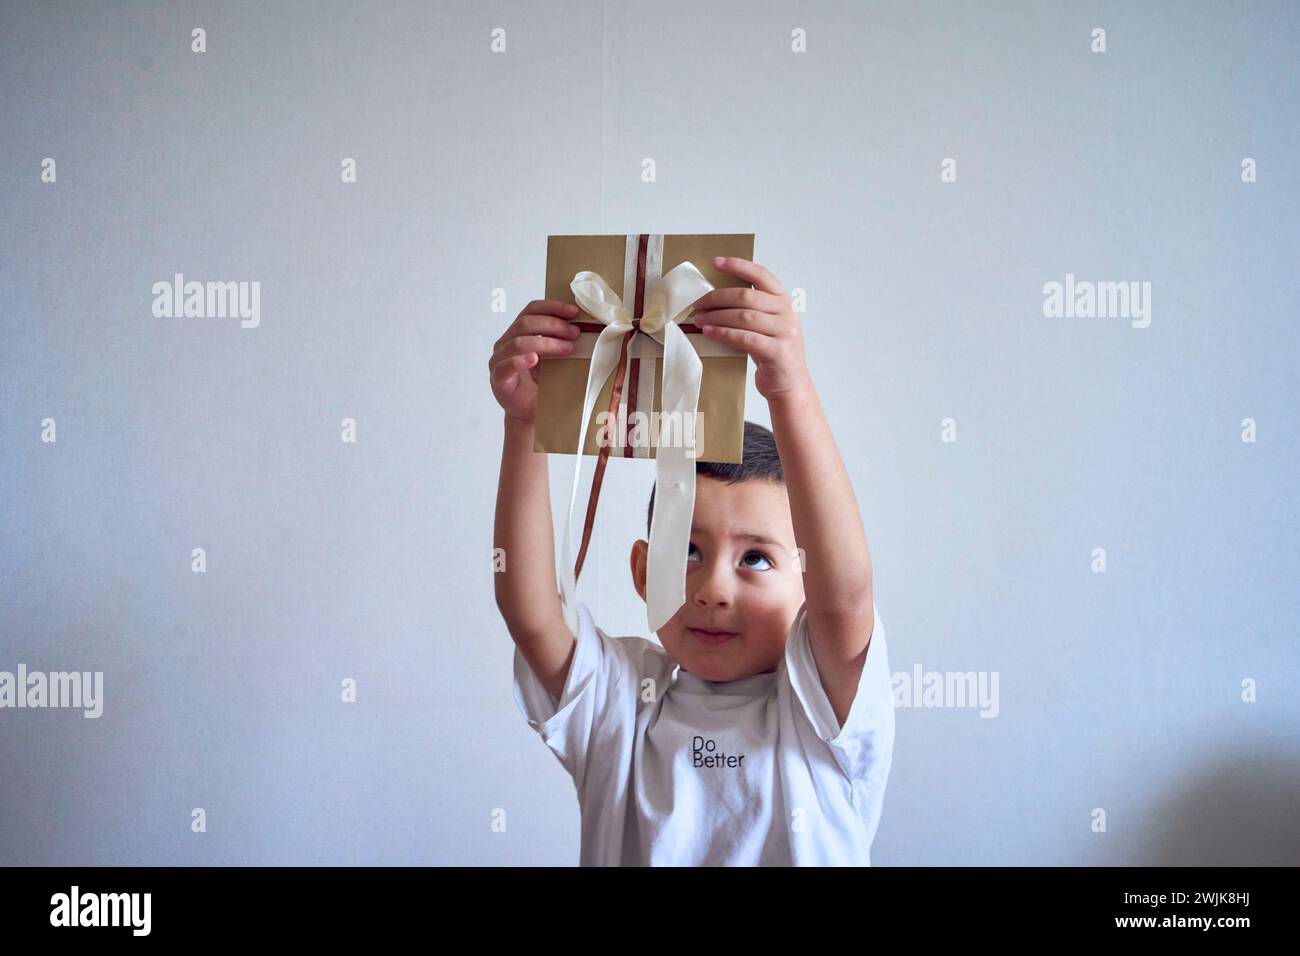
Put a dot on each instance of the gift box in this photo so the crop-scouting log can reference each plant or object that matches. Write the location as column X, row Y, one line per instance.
column 641, row 382
column 562, row 381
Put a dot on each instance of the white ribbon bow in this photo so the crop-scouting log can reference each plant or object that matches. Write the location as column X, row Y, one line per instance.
column 667, row 302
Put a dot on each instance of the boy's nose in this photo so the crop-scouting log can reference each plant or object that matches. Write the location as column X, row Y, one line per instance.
column 712, row 587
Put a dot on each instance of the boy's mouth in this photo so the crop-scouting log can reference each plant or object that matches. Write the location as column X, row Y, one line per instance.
column 708, row 636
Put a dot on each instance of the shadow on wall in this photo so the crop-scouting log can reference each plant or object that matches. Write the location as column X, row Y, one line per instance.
column 1242, row 812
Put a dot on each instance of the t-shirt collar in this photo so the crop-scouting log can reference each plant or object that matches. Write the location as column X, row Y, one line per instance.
column 755, row 685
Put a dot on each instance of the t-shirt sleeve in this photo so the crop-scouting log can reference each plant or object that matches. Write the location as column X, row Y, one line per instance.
column 600, row 675
column 864, row 745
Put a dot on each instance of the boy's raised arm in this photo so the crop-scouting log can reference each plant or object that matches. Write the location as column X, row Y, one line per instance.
column 827, row 525
column 525, row 588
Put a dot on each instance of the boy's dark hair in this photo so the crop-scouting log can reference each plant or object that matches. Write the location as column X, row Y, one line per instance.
column 759, row 462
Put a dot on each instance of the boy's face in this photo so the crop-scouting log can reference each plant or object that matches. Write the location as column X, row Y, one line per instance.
column 750, row 590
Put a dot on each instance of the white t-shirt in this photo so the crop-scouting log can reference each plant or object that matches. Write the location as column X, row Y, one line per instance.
column 689, row 772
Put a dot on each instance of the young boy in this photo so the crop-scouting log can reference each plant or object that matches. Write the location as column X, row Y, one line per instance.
column 761, row 732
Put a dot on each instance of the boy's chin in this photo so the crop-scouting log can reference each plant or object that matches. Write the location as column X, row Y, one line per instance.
column 709, row 670
column 716, row 667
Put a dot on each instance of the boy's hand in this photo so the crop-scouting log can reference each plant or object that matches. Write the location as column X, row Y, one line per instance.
column 542, row 328
column 761, row 322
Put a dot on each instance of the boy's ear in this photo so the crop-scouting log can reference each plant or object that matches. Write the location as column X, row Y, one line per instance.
column 640, row 556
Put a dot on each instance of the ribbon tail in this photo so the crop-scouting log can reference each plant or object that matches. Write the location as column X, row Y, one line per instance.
column 670, row 526
column 602, row 457
column 604, row 357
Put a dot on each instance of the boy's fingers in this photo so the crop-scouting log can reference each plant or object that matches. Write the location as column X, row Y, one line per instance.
column 734, row 298
column 528, row 324
column 549, row 307
column 753, row 344
column 544, row 325
column 762, row 279
column 505, row 371
column 761, row 322
column 541, row 344
column 536, row 315
column 499, row 364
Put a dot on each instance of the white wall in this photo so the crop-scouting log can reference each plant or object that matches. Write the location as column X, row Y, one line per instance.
column 370, row 560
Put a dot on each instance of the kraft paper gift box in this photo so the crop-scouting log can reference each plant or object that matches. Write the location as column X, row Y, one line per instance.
column 562, row 381
column 630, row 289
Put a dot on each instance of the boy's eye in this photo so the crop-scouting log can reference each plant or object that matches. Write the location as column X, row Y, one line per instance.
column 763, row 563
column 766, row 565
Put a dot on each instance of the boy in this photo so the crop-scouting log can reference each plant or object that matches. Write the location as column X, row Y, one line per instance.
column 762, row 731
